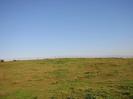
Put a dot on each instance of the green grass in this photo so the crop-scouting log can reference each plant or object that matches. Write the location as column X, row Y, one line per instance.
column 67, row 78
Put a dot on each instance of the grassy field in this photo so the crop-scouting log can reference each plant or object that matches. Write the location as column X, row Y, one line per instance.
column 67, row 78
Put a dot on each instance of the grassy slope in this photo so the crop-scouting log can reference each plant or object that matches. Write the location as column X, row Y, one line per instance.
column 66, row 78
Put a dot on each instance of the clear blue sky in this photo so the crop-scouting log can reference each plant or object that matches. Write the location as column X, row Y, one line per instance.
column 47, row 28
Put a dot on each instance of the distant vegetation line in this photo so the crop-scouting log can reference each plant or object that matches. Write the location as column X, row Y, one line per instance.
column 55, row 57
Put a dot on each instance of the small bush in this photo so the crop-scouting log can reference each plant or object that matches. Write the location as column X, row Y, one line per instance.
column 89, row 96
column 35, row 97
column 2, row 60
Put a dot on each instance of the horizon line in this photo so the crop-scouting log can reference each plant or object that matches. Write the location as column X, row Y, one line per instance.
column 55, row 57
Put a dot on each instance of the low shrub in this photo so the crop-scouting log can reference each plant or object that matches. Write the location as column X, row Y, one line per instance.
column 2, row 60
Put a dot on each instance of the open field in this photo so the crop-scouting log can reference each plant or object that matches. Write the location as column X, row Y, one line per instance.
column 67, row 78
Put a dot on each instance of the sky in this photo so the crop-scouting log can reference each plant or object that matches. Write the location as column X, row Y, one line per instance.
column 65, row 28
